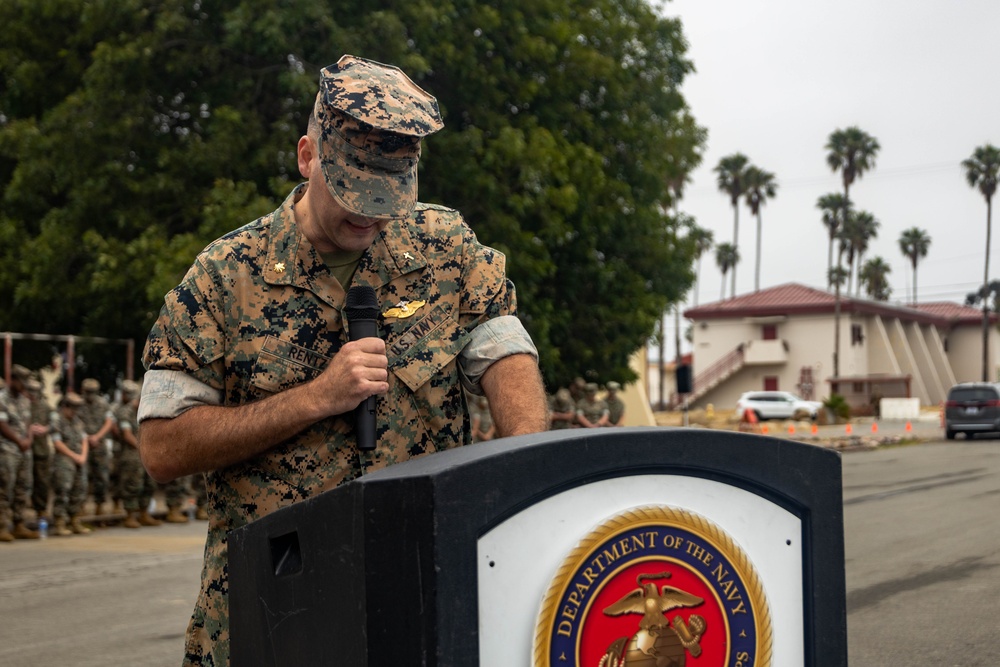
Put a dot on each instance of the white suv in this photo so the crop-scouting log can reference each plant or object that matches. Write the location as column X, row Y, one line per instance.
column 776, row 405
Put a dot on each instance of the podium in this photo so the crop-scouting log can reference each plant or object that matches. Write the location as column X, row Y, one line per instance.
column 561, row 548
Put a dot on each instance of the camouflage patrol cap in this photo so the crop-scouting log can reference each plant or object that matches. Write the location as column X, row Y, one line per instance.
column 90, row 384
column 372, row 118
column 19, row 372
column 613, row 386
column 32, row 384
column 590, row 387
column 130, row 388
column 72, row 399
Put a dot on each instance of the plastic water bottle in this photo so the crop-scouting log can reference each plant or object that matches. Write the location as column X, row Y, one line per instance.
column 43, row 528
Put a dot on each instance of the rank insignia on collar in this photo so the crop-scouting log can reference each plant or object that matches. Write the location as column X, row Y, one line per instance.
column 279, row 267
column 404, row 309
column 407, row 255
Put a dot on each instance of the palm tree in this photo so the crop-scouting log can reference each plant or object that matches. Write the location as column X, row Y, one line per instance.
column 861, row 229
column 727, row 256
column 833, row 206
column 730, row 177
column 874, row 276
column 703, row 241
column 761, row 186
column 982, row 171
column 851, row 152
column 913, row 243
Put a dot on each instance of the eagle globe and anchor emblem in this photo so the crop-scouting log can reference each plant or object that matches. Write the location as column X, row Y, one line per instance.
column 655, row 586
column 659, row 641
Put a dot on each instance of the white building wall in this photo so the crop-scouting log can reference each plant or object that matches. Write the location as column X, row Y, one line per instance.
column 965, row 352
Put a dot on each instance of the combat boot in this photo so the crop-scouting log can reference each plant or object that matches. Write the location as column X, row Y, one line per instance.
column 78, row 527
column 175, row 515
column 201, row 514
column 22, row 532
column 131, row 521
column 60, row 529
column 5, row 535
column 146, row 520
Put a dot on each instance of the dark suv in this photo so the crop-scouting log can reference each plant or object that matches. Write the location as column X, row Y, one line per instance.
column 972, row 407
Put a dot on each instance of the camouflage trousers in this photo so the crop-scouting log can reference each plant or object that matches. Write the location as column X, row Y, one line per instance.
column 177, row 492
column 136, row 484
column 15, row 484
column 99, row 472
column 41, row 486
column 69, row 483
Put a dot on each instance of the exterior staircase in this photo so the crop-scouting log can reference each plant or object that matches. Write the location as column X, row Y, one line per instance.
column 713, row 376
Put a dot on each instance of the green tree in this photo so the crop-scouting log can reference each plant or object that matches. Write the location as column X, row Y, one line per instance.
column 703, row 240
column 852, row 152
column 731, row 179
column 834, row 207
column 761, row 187
column 857, row 234
column 134, row 132
column 981, row 172
column 874, row 278
column 914, row 243
column 727, row 256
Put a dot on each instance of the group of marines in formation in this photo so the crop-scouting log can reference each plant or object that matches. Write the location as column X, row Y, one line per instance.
column 53, row 456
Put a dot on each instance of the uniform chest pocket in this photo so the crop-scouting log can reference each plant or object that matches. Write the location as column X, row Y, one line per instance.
column 430, row 344
column 281, row 365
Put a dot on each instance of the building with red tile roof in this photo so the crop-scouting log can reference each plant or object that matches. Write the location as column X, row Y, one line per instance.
column 782, row 338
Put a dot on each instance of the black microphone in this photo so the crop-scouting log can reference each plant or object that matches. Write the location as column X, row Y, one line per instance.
column 361, row 310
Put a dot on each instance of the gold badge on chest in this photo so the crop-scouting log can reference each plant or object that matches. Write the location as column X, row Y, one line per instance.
column 404, row 309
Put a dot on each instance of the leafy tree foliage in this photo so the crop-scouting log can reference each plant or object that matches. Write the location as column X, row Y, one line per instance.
column 134, row 132
column 914, row 244
column 874, row 278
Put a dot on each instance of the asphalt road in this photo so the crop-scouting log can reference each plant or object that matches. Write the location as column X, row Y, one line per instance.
column 922, row 525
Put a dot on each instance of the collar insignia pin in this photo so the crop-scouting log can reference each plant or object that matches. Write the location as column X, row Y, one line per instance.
column 407, row 255
column 279, row 267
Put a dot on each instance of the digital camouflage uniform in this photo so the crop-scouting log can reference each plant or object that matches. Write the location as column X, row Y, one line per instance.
column 243, row 326
column 562, row 402
column 15, row 465
column 616, row 409
column 93, row 413
column 41, row 454
column 69, row 481
column 137, row 486
column 593, row 410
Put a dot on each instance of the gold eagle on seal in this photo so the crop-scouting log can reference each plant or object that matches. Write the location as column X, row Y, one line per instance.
column 659, row 641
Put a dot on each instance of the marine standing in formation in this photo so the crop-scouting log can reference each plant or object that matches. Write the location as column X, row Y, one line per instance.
column 70, row 468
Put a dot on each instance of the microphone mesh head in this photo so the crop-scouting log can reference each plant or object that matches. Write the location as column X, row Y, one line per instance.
column 361, row 304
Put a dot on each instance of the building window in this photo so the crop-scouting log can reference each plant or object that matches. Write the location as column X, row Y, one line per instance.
column 771, row 383
column 858, row 387
column 769, row 332
column 857, row 335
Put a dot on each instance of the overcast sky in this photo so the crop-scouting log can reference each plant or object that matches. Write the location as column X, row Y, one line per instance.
column 775, row 77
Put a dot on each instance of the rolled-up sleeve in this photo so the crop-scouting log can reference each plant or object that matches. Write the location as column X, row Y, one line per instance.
column 491, row 341
column 168, row 394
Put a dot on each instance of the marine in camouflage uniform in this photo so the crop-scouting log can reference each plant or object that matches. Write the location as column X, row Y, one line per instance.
column 137, row 487
column 96, row 416
column 41, row 450
column 176, row 493
column 69, row 475
column 590, row 410
column 616, row 406
column 562, row 410
column 254, row 341
column 16, row 434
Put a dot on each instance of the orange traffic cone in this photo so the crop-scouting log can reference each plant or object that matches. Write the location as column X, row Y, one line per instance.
column 909, row 427
column 791, row 429
column 763, row 429
column 848, row 429
column 815, row 429
column 874, row 427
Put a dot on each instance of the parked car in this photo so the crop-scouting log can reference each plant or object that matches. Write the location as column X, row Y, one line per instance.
column 776, row 405
column 972, row 407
